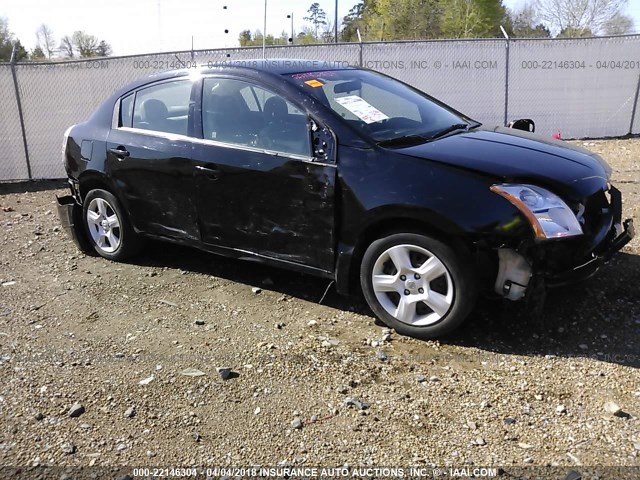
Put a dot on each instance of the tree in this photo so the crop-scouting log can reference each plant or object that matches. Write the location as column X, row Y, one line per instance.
column 21, row 52
column 316, row 16
column 66, row 47
column 248, row 39
column 86, row 45
column 619, row 24
column 245, row 38
column 462, row 19
column 327, row 34
column 404, row 20
column 422, row 19
column 283, row 39
column 353, row 22
column 46, row 41
column 306, row 36
column 494, row 14
column 38, row 54
column 525, row 23
column 575, row 32
column 103, row 49
column 6, row 40
column 8, row 43
column 579, row 16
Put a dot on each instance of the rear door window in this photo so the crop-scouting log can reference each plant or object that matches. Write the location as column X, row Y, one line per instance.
column 163, row 107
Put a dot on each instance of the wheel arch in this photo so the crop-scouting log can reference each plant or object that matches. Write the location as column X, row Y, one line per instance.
column 393, row 221
column 92, row 179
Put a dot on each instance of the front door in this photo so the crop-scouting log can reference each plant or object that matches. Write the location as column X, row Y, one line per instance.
column 258, row 187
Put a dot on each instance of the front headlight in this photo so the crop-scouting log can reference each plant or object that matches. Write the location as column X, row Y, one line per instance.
column 549, row 216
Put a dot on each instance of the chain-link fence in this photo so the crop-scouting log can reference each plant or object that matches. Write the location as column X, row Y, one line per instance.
column 585, row 88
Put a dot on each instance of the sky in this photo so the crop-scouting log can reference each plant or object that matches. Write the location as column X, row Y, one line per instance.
column 146, row 26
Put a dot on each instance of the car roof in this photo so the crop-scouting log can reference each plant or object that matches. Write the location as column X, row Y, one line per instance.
column 277, row 66
column 274, row 66
column 269, row 66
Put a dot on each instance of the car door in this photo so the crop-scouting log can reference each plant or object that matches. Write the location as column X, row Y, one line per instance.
column 149, row 159
column 258, row 186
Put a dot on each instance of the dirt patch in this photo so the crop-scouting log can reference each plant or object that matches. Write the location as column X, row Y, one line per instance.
column 116, row 338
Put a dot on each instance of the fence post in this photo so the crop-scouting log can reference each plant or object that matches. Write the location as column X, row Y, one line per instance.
column 635, row 107
column 19, row 104
column 360, row 42
column 506, row 78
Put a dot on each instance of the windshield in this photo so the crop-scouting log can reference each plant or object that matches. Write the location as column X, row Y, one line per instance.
column 381, row 107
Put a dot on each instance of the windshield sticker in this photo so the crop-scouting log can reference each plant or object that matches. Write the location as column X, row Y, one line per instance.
column 305, row 75
column 361, row 109
column 314, row 83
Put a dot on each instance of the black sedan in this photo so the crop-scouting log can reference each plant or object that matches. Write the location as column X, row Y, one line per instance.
column 343, row 173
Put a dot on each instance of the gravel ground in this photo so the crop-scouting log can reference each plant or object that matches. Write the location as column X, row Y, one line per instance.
column 311, row 383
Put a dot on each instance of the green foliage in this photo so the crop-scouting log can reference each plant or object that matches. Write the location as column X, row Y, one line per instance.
column 462, row 19
column 248, row 39
column 389, row 20
column 424, row 19
column 575, row 32
column 21, row 52
column 353, row 22
column 471, row 18
column 104, row 49
column 6, row 40
column 7, row 44
column 83, row 45
column 245, row 38
column 525, row 23
column 86, row 45
column 316, row 16
column 38, row 54
column 306, row 37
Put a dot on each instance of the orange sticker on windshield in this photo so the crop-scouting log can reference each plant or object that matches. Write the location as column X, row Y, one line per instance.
column 314, row 83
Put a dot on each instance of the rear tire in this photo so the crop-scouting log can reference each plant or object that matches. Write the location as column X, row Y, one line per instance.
column 417, row 285
column 108, row 228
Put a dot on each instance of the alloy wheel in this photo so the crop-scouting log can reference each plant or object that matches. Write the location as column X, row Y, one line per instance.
column 104, row 225
column 412, row 285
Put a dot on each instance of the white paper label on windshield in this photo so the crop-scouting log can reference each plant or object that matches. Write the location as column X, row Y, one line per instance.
column 361, row 109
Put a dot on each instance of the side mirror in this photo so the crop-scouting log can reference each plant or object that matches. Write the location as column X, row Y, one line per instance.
column 525, row 124
column 322, row 143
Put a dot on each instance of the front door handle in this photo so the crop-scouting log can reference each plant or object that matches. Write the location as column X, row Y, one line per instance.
column 210, row 172
column 120, row 152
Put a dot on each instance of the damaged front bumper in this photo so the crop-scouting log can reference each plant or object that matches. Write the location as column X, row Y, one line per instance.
column 626, row 232
column 564, row 262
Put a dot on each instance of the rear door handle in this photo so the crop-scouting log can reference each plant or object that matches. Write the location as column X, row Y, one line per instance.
column 120, row 152
column 210, row 172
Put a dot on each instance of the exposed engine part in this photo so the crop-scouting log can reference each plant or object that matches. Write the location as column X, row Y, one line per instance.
column 525, row 124
column 514, row 273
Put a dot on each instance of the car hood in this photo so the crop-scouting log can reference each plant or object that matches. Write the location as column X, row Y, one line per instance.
column 517, row 156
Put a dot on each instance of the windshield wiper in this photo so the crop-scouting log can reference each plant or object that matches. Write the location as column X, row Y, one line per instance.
column 404, row 140
column 451, row 128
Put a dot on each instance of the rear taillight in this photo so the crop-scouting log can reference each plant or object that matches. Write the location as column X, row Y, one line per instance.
column 64, row 142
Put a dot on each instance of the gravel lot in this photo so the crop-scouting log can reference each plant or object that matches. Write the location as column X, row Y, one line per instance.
column 313, row 383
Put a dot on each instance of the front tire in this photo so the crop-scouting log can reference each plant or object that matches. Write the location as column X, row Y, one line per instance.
column 417, row 285
column 108, row 228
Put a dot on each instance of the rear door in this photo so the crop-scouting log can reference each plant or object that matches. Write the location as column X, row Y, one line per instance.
column 148, row 159
column 258, row 186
